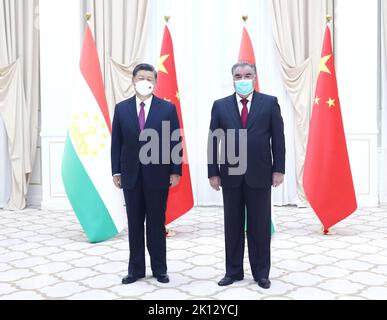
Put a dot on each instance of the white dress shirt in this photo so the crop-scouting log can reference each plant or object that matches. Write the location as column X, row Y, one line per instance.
column 146, row 107
column 240, row 105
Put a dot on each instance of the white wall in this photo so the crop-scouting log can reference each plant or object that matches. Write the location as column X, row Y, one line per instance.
column 356, row 49
column 60, row 38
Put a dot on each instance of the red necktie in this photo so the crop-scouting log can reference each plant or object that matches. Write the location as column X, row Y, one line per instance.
column 141, row 116
column 244, row 113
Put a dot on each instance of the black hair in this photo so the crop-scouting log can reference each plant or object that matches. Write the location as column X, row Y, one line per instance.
column 146, row 67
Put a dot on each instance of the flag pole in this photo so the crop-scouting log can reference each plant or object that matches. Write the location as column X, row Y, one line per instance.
column 328, row 19
column 168, row 232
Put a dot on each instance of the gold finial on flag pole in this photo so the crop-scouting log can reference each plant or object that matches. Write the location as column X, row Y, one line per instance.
column 87, row 16
column 328, row 18
column 166, row 18
column 244, row 18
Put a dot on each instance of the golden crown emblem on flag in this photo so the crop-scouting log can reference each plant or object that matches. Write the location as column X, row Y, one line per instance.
column 88, row 133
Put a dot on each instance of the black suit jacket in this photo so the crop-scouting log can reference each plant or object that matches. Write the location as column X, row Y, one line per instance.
column 126, row 144
column 265, row 140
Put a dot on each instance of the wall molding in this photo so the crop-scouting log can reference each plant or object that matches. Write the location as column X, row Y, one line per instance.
column 54, row 195
column 364, row 159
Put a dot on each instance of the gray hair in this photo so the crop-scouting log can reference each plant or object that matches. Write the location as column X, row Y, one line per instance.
column 243, row 64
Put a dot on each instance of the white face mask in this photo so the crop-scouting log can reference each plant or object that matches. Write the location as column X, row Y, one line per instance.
column 144, row 87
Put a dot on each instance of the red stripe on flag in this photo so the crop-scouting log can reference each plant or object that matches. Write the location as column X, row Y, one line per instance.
column 327, row 177
column 180, row 198
column 91, row 71
column 246, row 52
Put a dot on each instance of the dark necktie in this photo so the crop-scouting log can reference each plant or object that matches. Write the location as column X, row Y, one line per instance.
column 141, row 116
column 244, row 113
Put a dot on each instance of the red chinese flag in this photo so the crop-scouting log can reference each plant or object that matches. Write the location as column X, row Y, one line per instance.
column 180, row 198
column 327, row 179
column 246, row 52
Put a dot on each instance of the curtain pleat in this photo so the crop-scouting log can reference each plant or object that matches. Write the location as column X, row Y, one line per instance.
column 19, row 97
column 298, row 27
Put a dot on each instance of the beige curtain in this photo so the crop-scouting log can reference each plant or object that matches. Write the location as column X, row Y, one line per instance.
column 19, row 89
column 298, row 27
column 120, row 81
column 13, row 110
column 120, row 30
column 5, row 166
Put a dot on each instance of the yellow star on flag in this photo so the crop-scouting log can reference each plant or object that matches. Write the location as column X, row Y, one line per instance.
column 323, row 64
column 161, row 66
column 177, row 95
column 331, row 102
column 317, row 100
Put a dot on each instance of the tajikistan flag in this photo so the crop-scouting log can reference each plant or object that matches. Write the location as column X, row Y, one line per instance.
column 97, row 203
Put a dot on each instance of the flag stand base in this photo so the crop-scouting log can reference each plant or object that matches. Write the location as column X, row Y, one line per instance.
column 169, row 233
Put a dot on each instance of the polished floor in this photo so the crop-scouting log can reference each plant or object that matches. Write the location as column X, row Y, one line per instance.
column 45, row 255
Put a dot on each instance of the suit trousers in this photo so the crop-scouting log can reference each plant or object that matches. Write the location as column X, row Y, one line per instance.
column 258, row 204
column 148, row 204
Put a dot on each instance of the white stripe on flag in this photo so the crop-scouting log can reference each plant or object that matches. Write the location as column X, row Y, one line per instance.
column 92, row 140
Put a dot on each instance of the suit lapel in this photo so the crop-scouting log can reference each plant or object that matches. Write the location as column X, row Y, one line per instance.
column 235, row 111
column 254, row 109
column 153, row 110
column 132, row 113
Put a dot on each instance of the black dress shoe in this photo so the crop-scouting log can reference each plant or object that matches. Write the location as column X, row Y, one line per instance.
column 163, row 278
column 264, row 283
column 226, row 281
column 130, row 279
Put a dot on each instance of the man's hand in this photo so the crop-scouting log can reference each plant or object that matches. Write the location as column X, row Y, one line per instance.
column 278, row 178
column 174, row 180
column 117, row 181
column 215, row 183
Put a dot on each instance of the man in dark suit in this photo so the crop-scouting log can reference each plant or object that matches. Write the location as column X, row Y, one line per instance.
column 250, row 123
column 144, row 170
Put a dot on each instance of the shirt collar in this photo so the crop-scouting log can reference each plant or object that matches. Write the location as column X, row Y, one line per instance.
column 147, row 101
column 239, row 98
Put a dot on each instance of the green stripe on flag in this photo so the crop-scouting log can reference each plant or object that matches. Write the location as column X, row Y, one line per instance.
column 84, row 197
